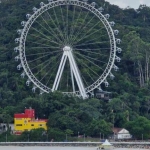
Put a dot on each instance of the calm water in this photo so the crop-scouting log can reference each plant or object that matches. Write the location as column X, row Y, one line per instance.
column 52, row 148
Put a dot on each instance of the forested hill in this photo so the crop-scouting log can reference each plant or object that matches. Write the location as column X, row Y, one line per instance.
column 130, row 88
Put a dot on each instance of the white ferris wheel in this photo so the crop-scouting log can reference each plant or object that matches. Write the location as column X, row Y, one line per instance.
column 68, row 46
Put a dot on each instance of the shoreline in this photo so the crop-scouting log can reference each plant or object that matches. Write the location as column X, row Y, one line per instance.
column 57, row 148
column 117, row 145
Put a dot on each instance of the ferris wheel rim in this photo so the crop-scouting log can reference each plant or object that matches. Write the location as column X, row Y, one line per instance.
column 53, row 4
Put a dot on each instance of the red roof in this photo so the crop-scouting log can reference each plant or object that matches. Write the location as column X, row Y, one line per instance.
column 29, row 113
column 21, row 116
column 116, row 130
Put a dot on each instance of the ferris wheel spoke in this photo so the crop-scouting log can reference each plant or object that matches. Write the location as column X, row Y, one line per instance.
column 40, row 33
column 39, row 64
column 86, row 66
column 72, row 24
column 49, row 62
column 87, row 49
column 81, row 27
column 43, row 44
column 44, row 39
column 58, row 25
column 43, row 53
column 44, row 48
column 54, row 35
column 93, row 72
column 43, row 62
column 44, row 76
column 47, row 73
column 86, row 36
column 96, row 38
column 93, row 43
column 88, row 57
column 58, row 30
column 63, row 22
column 39, row 58
column 89, row 60
column 66, row 26
column 55, row 66
column 75, row 24
column 84, row 27
column 91, row 51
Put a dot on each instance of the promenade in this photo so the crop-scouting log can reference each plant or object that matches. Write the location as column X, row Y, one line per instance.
column 135, row 145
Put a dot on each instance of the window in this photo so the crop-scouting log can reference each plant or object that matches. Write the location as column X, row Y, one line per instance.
column 40, row 125
column 18, row 124
column 32, row 124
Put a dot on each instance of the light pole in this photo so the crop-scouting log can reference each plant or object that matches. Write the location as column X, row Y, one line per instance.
column 78, row 134
column 47, row 137
column 113, row 123
column 66, row 137
column 28, row 137
column 142, row 137
column 84, row 137
column 100, row 136
column 6, row 137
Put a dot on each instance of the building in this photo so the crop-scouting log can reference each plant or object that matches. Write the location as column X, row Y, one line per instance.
column 26, row 121
column 121, row 134
column 4, row 127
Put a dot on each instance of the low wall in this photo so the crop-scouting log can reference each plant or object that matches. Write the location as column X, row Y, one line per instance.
column 141, row 145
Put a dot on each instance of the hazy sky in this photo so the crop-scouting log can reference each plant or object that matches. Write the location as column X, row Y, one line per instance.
column 132, row 3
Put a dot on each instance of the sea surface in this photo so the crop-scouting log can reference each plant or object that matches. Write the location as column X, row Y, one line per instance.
column 54, row 148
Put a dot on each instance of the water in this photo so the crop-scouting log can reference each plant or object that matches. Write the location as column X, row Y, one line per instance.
column 53, row 148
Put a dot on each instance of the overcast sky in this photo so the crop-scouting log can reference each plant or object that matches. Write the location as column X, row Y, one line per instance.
column 132, row 3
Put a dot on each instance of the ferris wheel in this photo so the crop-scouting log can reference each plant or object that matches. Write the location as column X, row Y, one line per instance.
column 67, row 46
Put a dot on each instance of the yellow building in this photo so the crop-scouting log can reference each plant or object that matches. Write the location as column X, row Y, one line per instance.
column 26, row 121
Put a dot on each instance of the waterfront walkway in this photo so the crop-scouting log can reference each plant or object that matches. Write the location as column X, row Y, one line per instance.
column 136, row 145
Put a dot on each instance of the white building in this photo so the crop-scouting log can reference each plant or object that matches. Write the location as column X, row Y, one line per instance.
column 3, row 127
column 121, row 133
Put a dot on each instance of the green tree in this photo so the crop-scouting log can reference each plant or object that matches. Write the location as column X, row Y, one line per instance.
column 139, row 127
column 99, row 126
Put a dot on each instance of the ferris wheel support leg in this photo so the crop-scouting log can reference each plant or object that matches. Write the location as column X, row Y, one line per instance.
column 76, row 74
column 72, row 79
column 59, row 72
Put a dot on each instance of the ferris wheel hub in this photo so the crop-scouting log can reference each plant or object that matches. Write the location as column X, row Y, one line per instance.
column 67, row 48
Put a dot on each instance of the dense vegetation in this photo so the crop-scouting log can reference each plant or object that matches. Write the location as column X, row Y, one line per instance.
column 70, row 115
